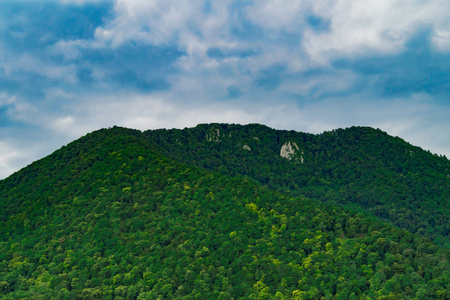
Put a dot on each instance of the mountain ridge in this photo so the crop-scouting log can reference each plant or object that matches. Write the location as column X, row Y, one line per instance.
column 359, row 166
column 313, row 172
column 109, row 216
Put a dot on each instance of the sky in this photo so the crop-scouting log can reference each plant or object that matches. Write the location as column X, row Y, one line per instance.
column 69, row 67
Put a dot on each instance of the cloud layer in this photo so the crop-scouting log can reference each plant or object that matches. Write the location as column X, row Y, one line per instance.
column 70, row 67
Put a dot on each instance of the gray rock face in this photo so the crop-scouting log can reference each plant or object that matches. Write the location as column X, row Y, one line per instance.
column 289, row 150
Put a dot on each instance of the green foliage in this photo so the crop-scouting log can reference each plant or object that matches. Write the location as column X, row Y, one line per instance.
column 108, row 217
column 359, row 167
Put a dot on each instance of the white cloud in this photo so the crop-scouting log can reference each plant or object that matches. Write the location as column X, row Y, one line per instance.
column 70, row 49
column 29, row 63
column 279, row 14
column 63, row 123
column 441, row 38
column 155, row 22
column 356, row 28
column 6, row 99
column 7, row 157
column 193, row 27
column 361, row 27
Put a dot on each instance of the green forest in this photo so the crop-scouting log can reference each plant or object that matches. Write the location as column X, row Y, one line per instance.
column 215, row 212
column 359, row 167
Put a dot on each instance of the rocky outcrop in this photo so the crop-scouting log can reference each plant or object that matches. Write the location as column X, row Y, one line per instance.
column 289, row 151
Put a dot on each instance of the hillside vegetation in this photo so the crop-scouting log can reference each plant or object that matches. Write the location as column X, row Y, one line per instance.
column 360, row 167
column 112, row 217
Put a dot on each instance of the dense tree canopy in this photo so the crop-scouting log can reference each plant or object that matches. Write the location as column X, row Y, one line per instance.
column 359, row 167
column 109, row 216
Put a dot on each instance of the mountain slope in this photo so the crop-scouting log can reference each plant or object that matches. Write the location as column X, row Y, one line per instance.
column 109, row 217
column 359, row 166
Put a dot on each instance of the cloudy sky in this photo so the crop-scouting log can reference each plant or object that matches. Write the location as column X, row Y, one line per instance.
column 68, row 67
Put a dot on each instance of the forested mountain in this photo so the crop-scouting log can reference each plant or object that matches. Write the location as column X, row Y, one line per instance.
column 111, row 216
column 361, row 167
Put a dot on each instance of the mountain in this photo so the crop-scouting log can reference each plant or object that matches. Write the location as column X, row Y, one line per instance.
column 112, row 216
column 360, row 167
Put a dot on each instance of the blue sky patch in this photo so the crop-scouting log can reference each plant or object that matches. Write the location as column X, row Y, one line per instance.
column 233, row 92
column 271, row 77
column 419, row 68
column 39, row 24
column 318, row 23
column 217, row 53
